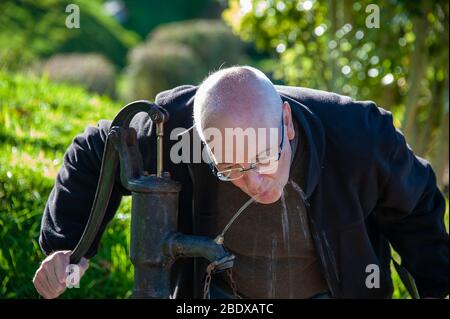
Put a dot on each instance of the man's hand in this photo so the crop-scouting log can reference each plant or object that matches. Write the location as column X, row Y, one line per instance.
column 50, row 278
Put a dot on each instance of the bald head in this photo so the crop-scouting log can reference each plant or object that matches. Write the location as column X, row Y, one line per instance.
column 239, row 96
column 238, row 114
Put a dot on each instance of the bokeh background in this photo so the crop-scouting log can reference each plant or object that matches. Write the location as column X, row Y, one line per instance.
column 55, row 81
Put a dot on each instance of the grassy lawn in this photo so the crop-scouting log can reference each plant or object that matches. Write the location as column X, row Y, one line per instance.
column 38, row 121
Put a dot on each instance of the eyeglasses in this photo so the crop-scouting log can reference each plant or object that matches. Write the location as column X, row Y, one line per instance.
column 261, row 167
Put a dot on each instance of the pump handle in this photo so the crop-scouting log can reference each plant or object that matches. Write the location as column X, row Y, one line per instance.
column 110, row 161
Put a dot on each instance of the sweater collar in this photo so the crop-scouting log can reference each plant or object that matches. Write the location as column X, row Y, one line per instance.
column 315, row 135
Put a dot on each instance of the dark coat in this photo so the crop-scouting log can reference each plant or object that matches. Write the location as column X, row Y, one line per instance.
column 365, row 189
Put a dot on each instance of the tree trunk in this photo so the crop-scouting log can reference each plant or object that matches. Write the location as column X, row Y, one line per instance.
column 441, row 153
column 333, row 16
column 424, row 138
column 417, row 73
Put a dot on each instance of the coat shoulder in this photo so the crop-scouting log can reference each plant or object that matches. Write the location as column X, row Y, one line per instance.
column 359, row 129
column 179, row 103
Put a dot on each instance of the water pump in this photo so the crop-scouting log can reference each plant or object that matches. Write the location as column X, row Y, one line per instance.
column 155, row 242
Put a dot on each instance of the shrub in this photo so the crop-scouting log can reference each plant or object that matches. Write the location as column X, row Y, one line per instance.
column 92, row 71
column 99, row 32
column 211, row 40
column 31, row 29
column 143, row 16
column 178, row 53
column 154, row 67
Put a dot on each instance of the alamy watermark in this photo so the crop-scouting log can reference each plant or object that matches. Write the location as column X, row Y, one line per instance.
column 73, row 276
column 73, row 19
column 373, row 19
column 373, row 277
column 230, row 145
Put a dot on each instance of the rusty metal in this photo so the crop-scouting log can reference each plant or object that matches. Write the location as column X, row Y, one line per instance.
column 159, row 149
column 155, row 242
column 216, row 266
column 108, row 168
column 233, row 283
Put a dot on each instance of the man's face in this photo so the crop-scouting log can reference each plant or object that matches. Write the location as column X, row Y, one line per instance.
column 269, row 175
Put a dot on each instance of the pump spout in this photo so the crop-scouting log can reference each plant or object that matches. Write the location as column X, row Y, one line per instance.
column 180, row 246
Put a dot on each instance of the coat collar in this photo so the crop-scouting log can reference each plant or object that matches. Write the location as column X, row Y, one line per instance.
column 315, row 135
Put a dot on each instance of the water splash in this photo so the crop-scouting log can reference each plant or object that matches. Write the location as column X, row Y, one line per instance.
column 285, row 222
column 272, row 267
column 302, row 213
column 330, row 253
column 254, row 251
column 221, row 237
column 286, row 237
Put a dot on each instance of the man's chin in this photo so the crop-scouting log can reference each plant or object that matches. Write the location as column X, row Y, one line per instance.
column 268, row 197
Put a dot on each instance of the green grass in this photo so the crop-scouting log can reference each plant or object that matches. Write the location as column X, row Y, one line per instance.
column 38, row 121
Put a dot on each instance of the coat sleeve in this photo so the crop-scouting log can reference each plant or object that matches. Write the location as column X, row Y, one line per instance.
column 70, row 201
column 410, row 212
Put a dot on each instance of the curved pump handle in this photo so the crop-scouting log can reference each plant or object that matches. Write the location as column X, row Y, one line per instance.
column 110, row 161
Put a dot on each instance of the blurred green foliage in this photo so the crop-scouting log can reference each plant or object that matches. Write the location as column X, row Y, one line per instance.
column 210, row 40
column 178, row 53
column 326, row 44
column 153, row 68
column 32, row 29
column 90, row 70
column 143, row 16
column 38, row 121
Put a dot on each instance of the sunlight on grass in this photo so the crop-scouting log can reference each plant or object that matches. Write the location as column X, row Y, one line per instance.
column 38, row 121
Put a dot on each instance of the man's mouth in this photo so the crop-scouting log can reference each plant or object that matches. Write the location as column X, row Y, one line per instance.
column 261, row 194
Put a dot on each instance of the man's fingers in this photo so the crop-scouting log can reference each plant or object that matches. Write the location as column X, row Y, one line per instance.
column 41, row 280
column 50, row 279
column 56, row 287
column 60, row 278
column 39, row 287
column 61, row 269
column 43, row 287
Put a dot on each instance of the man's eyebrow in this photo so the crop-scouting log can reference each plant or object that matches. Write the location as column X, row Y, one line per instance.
column 263, row 152
column 256, row 157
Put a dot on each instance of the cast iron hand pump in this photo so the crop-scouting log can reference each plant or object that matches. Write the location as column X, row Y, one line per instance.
column 155, row 242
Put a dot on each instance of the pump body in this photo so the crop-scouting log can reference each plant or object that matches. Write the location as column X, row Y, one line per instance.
column 155, row 242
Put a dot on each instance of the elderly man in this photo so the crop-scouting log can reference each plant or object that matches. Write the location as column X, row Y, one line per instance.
column 333, row 189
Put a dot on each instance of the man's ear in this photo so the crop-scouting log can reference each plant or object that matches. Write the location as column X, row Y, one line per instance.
column 287, row 118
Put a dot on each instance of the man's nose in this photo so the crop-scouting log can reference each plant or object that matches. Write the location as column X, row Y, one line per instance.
column 253, row 180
